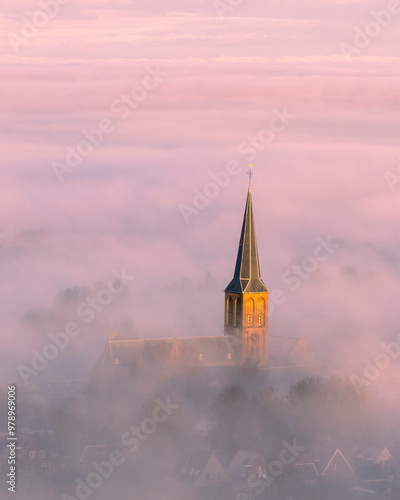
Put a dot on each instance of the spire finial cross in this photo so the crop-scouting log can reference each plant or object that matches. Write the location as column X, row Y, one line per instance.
column 250, row 173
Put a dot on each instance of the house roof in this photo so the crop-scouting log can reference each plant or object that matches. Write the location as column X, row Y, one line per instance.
column 132, row 352
column 94, row 451
column 35, row 442
column 372, row 473
column 202, row 351
column 337, row 453
column 310, row 471
column 194, row 466
column 372, row 454
column 321, row 457
column 243, row 458
column 310, row 457
column 365, row 491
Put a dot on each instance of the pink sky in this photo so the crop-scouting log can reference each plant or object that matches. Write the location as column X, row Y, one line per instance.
column 323, row 175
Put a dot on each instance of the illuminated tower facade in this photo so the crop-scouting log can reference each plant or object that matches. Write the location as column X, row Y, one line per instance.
column 246, row 296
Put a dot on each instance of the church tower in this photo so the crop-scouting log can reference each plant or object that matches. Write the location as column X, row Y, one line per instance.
column 246, row 296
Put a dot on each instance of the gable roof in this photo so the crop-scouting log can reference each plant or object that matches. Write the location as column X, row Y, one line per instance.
column 309, row 471
column 340, row 454
column 243, row 458
column 373, row 454
column 194, row 466
column 196, row 351
column 320, row 456
column 92, row 452
column 35, row 442
column 132, row 352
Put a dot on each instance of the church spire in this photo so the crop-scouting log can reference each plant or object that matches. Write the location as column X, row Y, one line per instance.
column 246, row 296
column 247, row 278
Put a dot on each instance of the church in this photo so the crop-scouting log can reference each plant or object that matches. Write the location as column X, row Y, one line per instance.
column 245, row 338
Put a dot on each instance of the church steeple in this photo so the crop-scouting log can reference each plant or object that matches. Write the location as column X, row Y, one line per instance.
column 247, row 276
column 246, row 296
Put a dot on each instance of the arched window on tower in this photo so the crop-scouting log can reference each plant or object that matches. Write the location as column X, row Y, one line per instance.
column 249, row 312
column 229, row 312
column 260, row 311
column 238, row 312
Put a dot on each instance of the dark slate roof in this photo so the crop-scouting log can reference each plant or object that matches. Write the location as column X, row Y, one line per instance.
column 371, row 454
column 41, row 440
column 247, row 277
column 318, row 455
column 309, row 471
column 203, row 350
column 198, row 351
column 372, row 472
column 244, row 457
column 194, row 466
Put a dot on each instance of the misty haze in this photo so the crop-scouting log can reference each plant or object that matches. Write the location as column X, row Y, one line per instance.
column 199, row 250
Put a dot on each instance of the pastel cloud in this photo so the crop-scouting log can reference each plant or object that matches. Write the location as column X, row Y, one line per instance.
column 323, row 175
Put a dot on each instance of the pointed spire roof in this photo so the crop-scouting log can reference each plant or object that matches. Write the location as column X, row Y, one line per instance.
column 247, row 278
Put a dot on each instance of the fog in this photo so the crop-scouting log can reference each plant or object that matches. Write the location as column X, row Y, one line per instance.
column 130, row 241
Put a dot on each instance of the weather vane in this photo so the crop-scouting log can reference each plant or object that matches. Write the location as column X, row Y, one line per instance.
column 250, row 173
